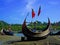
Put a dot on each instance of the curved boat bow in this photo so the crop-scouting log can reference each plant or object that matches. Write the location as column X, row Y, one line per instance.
column 37, row 35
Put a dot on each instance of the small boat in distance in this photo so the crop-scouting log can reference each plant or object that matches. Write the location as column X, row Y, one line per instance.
column 8, row 33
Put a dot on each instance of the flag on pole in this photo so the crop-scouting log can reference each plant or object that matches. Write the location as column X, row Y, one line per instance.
column 39, row 11
column 33, row 13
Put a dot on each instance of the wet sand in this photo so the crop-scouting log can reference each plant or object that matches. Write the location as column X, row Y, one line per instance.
column 50, row 40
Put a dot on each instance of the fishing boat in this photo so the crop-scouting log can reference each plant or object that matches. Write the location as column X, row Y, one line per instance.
column 7, row 33
column 35, row 35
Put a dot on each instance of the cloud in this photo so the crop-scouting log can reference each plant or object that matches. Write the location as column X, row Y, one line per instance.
column 27, row 8
column 30, row 4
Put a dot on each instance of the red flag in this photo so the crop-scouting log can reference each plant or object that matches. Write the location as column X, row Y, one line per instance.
column 33, row 13
column 39, row 11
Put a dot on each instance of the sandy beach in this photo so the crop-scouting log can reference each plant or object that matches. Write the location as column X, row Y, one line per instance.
column 50, row 40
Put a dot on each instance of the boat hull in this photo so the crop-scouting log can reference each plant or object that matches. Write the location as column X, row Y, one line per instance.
column 35, row 35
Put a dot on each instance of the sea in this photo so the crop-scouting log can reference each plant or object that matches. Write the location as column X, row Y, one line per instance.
column 22, row 35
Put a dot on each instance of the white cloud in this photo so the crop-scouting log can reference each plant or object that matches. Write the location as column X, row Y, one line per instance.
column 27, row 7
column 30, row 4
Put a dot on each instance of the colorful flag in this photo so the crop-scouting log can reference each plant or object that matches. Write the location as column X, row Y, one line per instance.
column 33, row 13
column 39, row 11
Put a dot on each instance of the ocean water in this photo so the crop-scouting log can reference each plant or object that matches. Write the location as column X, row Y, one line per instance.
column 1, row 42
column 19, row 34
column 22, row 35
column 55, row 31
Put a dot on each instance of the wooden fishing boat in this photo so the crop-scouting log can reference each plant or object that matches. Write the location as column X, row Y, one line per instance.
column 7, row 33
column 35, row 35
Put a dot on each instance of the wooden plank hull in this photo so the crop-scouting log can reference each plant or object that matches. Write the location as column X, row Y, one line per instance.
column 35, row 35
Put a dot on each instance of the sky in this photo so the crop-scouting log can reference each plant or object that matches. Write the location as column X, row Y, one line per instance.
column 15, row 11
